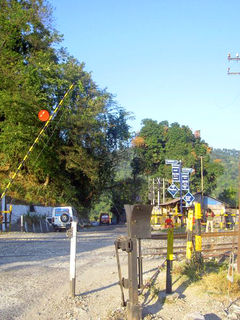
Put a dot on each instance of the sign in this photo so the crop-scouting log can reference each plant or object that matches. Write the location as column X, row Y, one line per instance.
column 176, row 173
column 187, row 170
column 188, row 198
column 172, row 162
column 43, row 115
column 173, row 189
column 185, row 181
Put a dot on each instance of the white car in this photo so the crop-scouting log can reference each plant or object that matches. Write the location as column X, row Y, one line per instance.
column 62, row 217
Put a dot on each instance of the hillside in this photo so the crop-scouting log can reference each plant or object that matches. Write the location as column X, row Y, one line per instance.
column 229, row 158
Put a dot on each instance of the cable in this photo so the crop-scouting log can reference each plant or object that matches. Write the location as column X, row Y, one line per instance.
column 36, row 141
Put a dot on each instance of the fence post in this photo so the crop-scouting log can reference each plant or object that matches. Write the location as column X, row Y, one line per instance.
column 26, row 226
column 198, row 237
column 169, row 261
column 73, row 248
column 40, row 225
column 33, row 226
column 47, row 227
column 189, row 235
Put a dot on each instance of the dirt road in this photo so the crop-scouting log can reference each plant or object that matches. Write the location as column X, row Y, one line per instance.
column 34, row 275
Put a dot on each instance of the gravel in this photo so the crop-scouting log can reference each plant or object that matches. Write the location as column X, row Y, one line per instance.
column 34, row 280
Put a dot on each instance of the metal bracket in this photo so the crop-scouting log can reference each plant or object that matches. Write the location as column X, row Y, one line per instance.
column 125, row 283
column 124, row 243
column 69, row 233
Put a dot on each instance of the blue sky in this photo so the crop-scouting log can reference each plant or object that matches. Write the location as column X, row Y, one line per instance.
column 162, row 59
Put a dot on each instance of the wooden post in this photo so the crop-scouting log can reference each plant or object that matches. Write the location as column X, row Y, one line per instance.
column 73, row 249
column 169, row 261
column 189, row 235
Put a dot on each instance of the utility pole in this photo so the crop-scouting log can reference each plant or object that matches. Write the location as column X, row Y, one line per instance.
column 238, row 252
column 163, row 180
column 201, row 157
column 237, row 58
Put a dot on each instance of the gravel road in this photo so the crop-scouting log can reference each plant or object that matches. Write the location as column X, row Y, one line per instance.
column 34, row 275
column 34, row 280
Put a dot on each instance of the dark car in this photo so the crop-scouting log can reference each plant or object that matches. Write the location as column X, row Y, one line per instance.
column 104, row 218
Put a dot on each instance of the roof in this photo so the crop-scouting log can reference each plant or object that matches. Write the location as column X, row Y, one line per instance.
column 176, row 200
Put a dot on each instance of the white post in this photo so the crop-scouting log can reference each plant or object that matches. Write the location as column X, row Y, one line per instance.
column 26, row 226
column 33, row 226
column 3, row 214
column 73, row 248
column 22, row 223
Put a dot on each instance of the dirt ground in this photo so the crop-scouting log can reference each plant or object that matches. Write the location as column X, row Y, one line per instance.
column 34, row 280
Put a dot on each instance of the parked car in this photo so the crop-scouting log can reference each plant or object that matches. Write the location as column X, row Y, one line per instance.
column 62, row 217
column 104, row 218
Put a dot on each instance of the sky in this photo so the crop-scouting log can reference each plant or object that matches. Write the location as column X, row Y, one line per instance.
column 162, row 59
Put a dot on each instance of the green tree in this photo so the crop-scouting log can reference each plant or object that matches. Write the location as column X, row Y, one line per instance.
column 77, row 156
column 163, row 141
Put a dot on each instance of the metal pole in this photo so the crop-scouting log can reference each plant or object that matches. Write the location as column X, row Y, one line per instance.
column 140, row 268
column 181, row 208
column 153, row 192
column 164, row 190
column 134, row 309
column 4, row 215
column 238, row 250
column 159, row 186
column 73, row 249
column 169, row 261
column 201, row 157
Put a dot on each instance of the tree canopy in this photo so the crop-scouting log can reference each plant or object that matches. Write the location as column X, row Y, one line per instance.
column 77, row 155
column 161, row 141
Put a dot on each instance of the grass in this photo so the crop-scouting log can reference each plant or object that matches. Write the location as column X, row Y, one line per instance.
column 210, row 275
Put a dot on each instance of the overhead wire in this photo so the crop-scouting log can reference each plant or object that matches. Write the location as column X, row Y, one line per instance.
column 36, row 141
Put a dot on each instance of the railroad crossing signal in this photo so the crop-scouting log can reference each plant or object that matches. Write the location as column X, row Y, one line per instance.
column 173, row 189
column 188, row 198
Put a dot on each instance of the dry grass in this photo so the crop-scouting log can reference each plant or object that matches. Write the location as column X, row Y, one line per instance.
column 217, row 284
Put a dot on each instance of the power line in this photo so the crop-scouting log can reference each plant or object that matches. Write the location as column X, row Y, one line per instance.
column 36, row 141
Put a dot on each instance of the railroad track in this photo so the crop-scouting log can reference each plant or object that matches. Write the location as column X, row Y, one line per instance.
column 227, row 245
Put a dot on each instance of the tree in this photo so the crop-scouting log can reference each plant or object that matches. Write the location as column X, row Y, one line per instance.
column 77, row 156
column 163, row 141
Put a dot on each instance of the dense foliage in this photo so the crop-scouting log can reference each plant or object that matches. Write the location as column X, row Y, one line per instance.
column 76, row 157
column 227, row 184
column 161, row 141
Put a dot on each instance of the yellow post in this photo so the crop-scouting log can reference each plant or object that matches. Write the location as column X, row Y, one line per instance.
column 198, row 237
column 189, row 235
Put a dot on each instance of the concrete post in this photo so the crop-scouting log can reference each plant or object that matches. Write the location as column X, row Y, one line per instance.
column 22, row 223
column 73, row 249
